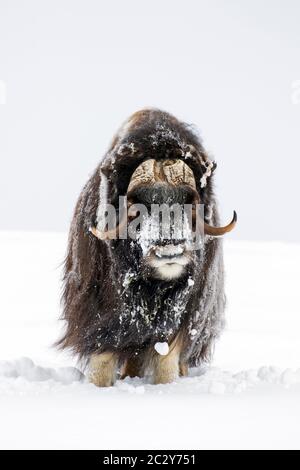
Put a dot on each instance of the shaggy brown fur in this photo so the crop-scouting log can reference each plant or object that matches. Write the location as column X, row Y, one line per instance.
column 98, row 304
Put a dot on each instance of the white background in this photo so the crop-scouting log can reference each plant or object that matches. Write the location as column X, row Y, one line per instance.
column 74, row 70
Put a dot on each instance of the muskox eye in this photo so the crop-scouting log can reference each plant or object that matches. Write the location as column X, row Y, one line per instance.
column 133, row 212
column 190, row 199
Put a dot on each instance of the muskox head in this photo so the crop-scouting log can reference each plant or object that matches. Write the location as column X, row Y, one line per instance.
column 156, row 198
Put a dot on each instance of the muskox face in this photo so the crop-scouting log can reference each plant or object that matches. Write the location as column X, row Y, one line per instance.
column 160, row 230
column 153, row 233
column 163, row 191
column 162, row 235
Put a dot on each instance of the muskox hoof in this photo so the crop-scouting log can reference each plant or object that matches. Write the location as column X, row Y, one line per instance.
column 183, row 369
column 102, row 369
column 101, row 382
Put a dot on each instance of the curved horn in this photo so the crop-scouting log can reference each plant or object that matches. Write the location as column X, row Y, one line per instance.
column 174, row 172
column 109, row 234
column 143, row 174
column 218, row 231
column 113, row 233
column 209, row 229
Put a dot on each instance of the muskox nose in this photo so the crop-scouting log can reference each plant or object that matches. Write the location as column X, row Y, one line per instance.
column 169, row 250
column 161, row 193
column 169, row 241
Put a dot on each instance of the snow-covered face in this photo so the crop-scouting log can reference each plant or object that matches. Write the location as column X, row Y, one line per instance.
column 168, row 262
column 164, row 240
column 157, row 187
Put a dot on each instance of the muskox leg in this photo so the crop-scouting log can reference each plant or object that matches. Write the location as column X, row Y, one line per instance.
column 102, row 369
column 166, row 368
column 183, row 369
column 133, row 367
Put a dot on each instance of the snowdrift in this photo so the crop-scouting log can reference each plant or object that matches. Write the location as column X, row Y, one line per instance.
column 248, row 398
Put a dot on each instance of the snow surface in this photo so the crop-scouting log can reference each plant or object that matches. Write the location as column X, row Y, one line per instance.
column 248, row 398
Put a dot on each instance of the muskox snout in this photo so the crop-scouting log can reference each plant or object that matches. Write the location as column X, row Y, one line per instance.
column 168, row 259
column 169, row 250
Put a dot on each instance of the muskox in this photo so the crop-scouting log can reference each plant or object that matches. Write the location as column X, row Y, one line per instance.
column 137, row 306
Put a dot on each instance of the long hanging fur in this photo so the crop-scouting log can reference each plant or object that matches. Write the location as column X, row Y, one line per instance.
column 107, row 305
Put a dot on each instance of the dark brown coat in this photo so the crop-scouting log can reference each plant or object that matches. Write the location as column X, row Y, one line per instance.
column 104, row 310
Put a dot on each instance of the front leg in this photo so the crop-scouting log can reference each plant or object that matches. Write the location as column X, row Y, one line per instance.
column 102, row 369
column 183, row 369
column 166, row 368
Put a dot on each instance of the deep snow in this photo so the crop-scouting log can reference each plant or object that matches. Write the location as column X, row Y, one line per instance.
column 248, row 398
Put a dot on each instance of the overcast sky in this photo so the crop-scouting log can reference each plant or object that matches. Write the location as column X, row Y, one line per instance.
column 72, row 71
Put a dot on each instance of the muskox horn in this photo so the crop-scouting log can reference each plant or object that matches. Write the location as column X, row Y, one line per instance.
column 152, row 171
column 109, row 234
column 144, row 174
column 218, row 231
column 174, row 172
column 113, row 233
column 209, row 229
column 149, row 172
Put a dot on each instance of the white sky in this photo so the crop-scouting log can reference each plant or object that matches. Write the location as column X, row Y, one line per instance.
column 72, row 71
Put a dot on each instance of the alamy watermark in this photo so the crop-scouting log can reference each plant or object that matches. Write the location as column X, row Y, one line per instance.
column 155, row 224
